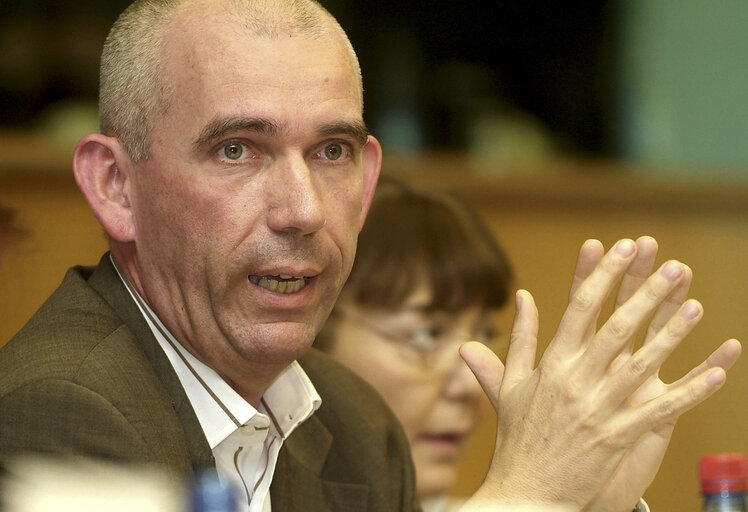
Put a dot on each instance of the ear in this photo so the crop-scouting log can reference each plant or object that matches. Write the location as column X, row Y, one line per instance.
column 102, row 171
column 372, row 160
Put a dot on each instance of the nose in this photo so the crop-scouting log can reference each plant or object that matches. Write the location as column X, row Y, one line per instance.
column 295, row 202
column 461, row 384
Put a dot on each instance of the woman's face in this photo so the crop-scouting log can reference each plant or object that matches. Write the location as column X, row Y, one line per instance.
column 411, row 357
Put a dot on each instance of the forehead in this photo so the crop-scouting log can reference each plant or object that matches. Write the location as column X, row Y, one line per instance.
column 213, row 67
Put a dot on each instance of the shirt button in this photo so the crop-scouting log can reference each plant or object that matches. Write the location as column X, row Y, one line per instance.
column 259, row 423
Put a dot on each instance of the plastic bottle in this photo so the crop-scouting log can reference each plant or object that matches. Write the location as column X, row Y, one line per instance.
column 723, row 482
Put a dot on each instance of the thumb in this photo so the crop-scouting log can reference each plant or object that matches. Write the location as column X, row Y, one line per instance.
column 523, row 342
column 487, row 368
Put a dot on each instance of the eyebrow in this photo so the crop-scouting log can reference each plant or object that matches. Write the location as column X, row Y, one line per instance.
column 221, row 127
column 355, row 129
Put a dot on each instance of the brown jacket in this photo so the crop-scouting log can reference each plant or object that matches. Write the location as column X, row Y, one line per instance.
column 85, row 376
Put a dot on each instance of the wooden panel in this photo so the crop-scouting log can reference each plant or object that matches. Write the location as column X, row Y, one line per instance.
column 59, row 232
column 541, row 212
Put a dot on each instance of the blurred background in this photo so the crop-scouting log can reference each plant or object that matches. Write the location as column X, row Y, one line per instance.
column 558, row 121
column 660, row 82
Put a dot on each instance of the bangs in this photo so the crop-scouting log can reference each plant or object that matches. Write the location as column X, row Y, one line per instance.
column 413, row 238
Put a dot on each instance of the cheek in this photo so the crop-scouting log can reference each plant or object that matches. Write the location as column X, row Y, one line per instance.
column 406, row 391
column 343, row 198
column 177, row 209
column 411, row 401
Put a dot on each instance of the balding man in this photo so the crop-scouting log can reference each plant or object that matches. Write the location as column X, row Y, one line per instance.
column 232, row 175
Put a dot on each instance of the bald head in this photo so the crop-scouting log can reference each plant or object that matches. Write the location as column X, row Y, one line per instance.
column 133, row 89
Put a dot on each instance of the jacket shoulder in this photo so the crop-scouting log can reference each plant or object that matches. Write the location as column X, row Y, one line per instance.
column 60, row 335
column 74, row 380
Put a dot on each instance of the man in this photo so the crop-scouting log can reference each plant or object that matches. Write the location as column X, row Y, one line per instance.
column 232, row 175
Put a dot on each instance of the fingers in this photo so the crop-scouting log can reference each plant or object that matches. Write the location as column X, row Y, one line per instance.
column 666, row 408
column 486, row 365
column 523, row 341
column 672, row 304
column 487, row 368
column 639, row 269
column 579, row 318
column 618, row 331
column 647, row 360
column 590, row 254
column 724, row 357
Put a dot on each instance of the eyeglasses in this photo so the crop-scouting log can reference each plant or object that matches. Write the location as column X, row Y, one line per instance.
column 430, row 347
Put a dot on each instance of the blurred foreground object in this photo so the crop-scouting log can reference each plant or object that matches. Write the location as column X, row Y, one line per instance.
column 209, row 494
column 723, row 482
column 38, row 484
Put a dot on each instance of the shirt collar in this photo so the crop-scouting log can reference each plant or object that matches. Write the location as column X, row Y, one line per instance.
column 289, row 401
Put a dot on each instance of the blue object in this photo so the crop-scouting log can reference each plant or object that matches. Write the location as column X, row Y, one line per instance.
column 209, row 494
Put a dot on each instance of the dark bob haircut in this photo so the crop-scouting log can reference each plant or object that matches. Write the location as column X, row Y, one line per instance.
column 414, row 237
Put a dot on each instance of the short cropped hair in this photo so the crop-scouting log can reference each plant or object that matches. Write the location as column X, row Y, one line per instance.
column 413, row 237
column 132, row 91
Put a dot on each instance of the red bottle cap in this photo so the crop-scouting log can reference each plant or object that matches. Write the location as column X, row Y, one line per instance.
column 722, row 472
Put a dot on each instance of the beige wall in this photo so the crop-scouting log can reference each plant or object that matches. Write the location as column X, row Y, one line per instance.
column 59, row 232
column 541, row 214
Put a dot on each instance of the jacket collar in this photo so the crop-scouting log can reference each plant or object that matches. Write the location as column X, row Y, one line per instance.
column 108, row 284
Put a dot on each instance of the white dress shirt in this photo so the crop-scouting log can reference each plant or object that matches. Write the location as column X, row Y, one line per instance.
column 245, row 441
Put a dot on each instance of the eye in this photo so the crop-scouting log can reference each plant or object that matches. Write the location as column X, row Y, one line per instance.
column 333, row 151
column 233, row 151
column 425, row 339
column 485, row 335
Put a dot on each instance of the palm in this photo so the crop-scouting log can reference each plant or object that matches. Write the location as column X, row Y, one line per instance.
column 640, row 463
column 629, row 482
column 589, row 426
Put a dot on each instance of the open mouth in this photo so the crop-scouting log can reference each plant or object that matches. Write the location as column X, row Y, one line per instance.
column 282, row 283
column 443, row 446
column 447, row 438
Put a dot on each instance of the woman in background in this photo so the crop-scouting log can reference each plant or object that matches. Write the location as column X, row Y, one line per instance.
column 427, row 277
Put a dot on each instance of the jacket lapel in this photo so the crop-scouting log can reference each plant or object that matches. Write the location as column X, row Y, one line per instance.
column 107, row 283
column 298, row 484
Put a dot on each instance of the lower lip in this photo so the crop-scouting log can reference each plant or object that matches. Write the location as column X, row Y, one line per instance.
column 443, row 446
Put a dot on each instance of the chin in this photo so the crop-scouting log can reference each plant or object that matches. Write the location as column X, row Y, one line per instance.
column 276, row 346
column 431, row 490
column 435, row 479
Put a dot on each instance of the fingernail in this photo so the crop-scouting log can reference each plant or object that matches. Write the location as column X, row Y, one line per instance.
column 625, row 248
column 518, row 300
column 672, row 270
column 690, row 310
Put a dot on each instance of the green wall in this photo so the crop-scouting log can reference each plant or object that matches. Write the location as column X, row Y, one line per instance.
column 682, row 96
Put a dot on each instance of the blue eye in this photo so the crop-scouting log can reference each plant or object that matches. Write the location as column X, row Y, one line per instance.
column 233, row 151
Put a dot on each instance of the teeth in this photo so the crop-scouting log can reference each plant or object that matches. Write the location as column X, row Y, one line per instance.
column 282, row 283
column 269, row 284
